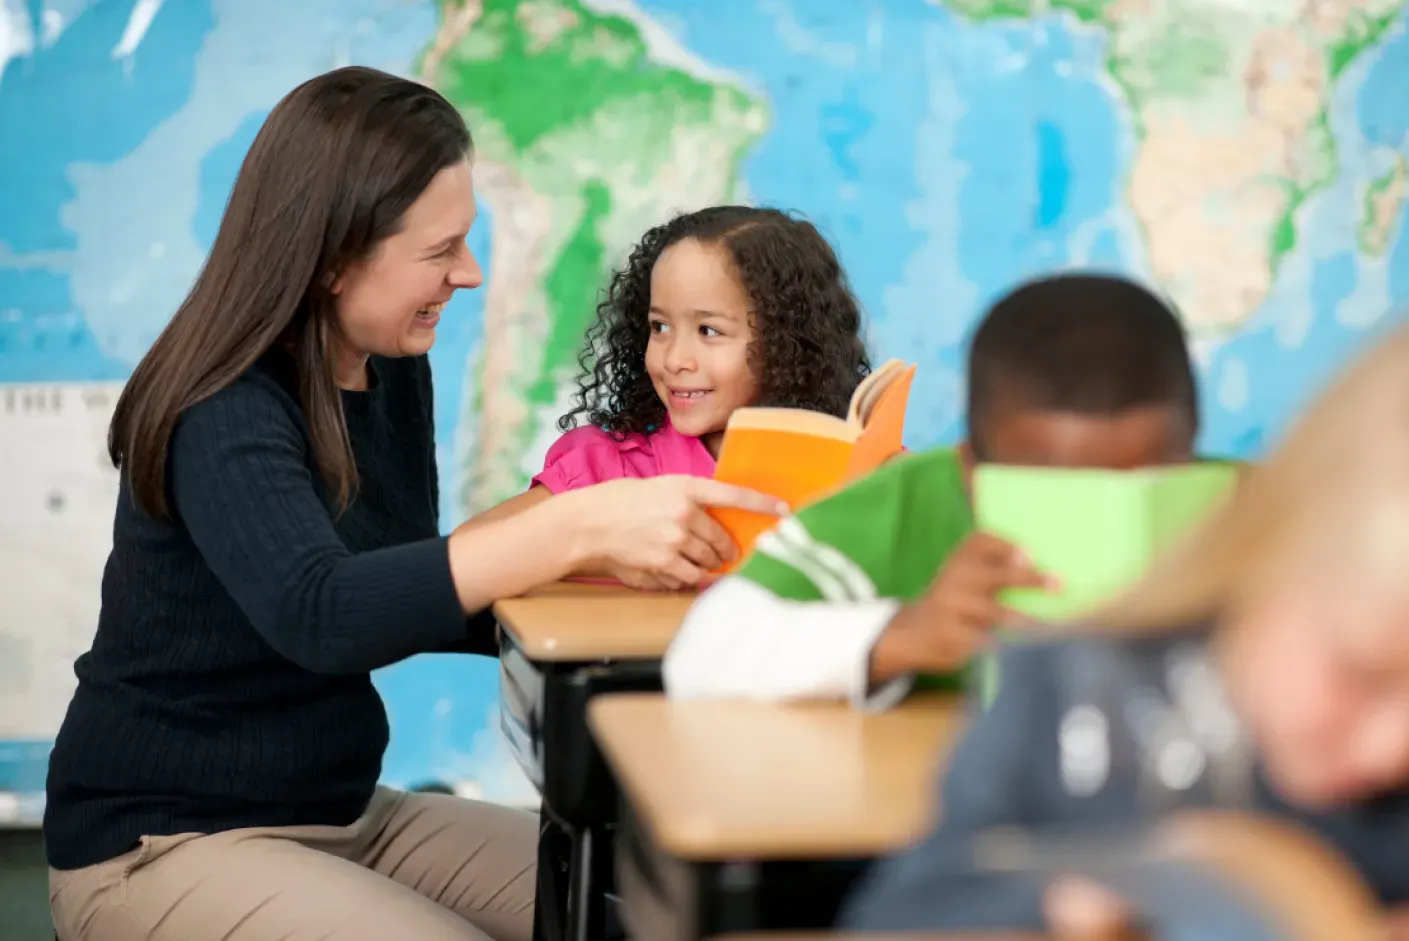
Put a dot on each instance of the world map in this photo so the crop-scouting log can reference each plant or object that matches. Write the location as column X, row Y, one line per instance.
column 1250, row 157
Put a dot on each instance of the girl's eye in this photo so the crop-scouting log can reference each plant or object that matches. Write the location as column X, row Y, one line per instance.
column 708, row 331
column 658, row 327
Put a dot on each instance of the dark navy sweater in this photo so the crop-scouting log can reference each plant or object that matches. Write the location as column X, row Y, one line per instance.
column 1098, row 735
column 229, row 683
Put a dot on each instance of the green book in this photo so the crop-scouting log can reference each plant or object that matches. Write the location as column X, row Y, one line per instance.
column 1097, row 531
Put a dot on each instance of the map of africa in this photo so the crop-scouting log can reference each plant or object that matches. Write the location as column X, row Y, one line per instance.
column 1249, row 156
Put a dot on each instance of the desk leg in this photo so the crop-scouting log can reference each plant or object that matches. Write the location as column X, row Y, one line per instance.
column 587, row 884
column 555, row 849
column 574, row 873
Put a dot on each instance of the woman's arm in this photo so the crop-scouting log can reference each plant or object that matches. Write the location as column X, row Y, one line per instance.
column 241, row 487
column 512, row 552
column 592, row 567
column 511, row 507
column 519, row 503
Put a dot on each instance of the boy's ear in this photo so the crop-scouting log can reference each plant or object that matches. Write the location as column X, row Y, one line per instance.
column 967, row 462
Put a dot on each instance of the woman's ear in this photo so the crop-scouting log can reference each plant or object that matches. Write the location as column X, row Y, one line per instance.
column 332, row 281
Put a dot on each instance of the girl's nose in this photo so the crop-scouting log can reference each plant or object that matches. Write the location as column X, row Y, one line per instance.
column 680, row 357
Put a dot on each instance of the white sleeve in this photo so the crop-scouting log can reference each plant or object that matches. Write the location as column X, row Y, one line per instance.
column 741, row 641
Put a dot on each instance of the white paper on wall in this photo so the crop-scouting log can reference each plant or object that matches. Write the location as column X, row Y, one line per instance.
column 55, row 534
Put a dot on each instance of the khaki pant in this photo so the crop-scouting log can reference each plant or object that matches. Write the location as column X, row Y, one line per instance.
column 420, row 867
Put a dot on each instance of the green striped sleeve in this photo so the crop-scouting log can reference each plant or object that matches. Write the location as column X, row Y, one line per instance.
column 885, row 536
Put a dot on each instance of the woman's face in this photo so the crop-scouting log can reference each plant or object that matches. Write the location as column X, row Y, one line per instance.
column 390, row 303
column 1321, row 675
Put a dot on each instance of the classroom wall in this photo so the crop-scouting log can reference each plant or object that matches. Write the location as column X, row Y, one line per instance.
column 947, row 147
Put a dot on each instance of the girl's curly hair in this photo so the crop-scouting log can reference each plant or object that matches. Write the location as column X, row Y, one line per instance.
column 807, row 349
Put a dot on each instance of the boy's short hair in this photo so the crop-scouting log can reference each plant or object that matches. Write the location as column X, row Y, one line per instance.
column 1085, row 343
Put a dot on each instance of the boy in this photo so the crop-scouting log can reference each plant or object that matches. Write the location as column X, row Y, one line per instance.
column 842, row 600
column 1262, row 669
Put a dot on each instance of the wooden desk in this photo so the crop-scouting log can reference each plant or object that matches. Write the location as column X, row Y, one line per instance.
column 745, row 816
column 559, row 647
column 570, row 621
column 722, row 780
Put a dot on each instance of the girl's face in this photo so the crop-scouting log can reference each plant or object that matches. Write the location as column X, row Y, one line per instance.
column 1321, row 676
column 697, row 356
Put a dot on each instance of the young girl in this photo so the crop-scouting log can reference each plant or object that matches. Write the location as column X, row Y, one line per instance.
column 1269, row 661
column 714, row 310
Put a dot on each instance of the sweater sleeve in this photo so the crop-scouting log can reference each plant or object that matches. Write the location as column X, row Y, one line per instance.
column 934, row 886
column 741, row 640
column 241, row 487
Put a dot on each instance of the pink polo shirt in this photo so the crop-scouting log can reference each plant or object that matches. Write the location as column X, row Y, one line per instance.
column 589, row 455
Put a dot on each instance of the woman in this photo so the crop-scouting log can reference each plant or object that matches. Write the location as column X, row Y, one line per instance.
column 276, row 540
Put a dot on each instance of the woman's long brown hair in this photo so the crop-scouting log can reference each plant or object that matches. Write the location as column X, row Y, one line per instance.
column 331, row 173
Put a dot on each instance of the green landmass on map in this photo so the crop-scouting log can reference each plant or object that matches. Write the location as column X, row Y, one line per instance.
column 1176, row 53
column 1382, row 207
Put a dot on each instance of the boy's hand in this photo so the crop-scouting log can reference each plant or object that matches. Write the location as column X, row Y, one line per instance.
column 1078, row 908
column 1398, row 918
column 943, row 630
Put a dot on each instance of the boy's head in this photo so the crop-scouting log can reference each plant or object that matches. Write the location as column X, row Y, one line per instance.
column 1081, row 370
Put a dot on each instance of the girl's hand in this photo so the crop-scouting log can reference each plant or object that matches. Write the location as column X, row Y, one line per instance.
column 655, row 532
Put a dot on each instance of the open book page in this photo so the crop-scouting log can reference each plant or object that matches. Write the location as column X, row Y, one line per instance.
column 799, row 468
column 882, row 436
column 802, row 456
column 869, row 390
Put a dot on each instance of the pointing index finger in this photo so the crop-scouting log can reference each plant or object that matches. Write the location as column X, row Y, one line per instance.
column 718, row 494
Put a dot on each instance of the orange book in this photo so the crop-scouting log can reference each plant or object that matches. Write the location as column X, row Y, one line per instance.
column 800, row 455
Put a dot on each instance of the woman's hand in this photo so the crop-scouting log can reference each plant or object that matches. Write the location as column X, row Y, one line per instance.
column 636, row 578
column 655, row 533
